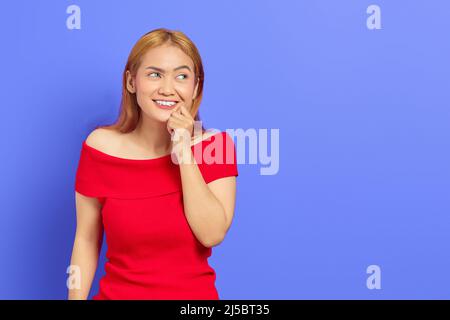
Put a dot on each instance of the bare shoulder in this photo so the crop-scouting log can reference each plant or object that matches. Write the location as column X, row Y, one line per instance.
column 103, row 139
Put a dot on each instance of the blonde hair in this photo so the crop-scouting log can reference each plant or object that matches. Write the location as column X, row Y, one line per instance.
column 129, row 109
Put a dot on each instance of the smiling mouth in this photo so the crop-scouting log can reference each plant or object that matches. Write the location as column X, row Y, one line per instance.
column 165, row 104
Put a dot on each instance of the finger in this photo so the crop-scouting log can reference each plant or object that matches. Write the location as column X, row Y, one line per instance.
column 176, row 112
column 183, row 123
column 174, row 123
column 172, row 114
column 177, row 115
column 177, row 108
column 185, row 111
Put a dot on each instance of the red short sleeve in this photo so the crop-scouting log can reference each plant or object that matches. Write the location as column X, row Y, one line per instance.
column 218, row 158
column 87, row 181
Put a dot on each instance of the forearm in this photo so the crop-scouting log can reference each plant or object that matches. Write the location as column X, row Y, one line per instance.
column 85, row 258
column 204, row 212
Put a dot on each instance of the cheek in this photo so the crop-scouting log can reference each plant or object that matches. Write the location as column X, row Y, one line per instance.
column 145, row 87
column 186, row 92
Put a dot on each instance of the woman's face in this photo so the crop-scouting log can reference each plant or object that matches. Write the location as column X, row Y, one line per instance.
column 164, row 80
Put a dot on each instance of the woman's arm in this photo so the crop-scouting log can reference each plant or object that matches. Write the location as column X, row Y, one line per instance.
column 87, row 244
column 209, row 208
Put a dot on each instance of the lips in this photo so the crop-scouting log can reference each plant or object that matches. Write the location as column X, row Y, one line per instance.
column 165, row 106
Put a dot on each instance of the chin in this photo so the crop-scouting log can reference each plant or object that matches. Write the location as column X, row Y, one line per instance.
column 157, row 114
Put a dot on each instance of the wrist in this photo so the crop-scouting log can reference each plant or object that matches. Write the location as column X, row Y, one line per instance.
column 185, row 155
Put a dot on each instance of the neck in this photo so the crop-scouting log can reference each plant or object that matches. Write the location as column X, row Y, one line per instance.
column 152, row 135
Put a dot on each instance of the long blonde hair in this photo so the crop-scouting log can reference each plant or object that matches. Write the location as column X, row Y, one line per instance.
column 129, row 108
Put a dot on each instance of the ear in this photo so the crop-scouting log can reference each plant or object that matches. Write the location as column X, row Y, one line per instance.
column 130, row 83
column 195, row 89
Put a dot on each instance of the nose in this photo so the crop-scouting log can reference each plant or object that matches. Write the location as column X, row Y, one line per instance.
column 166, row 87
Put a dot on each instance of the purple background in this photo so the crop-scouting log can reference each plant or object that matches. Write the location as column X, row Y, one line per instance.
column 364, row 138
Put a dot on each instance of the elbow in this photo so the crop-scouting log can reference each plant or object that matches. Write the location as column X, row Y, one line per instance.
column 213, row 241
column 214, row 238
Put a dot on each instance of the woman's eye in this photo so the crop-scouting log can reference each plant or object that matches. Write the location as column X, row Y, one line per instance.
column 152, row 74
column 182, row 75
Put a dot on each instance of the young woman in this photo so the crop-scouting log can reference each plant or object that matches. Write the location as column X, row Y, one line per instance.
column 161, row 214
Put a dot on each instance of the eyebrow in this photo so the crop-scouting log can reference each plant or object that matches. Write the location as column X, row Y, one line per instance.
column 162, row 70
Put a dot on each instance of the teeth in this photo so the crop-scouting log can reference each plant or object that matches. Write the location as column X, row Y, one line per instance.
column 166, row 103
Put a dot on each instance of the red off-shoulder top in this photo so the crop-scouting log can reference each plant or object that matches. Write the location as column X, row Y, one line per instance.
column 152, row 252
